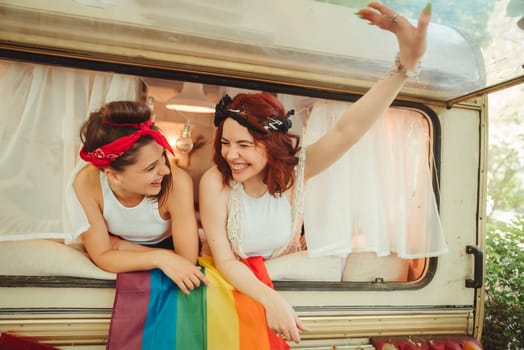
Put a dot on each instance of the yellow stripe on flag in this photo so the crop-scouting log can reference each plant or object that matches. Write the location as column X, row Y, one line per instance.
column 222, row 320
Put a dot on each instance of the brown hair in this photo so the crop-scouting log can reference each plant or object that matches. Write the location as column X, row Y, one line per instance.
column 281, row 148
column 102, row 127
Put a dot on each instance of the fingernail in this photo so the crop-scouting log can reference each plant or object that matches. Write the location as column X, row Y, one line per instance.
column 359, row 15
column 427, row 9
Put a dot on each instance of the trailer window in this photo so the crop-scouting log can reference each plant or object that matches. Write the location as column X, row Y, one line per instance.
column 378, row 218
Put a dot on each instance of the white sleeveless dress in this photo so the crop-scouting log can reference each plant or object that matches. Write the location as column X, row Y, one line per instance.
column 268, row 226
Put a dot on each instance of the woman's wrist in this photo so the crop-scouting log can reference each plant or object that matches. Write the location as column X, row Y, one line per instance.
column 158, row 257
column 400, row 68
column 267, row 295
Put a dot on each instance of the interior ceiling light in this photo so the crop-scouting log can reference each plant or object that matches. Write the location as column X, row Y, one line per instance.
column 191, row 99
column 184, row 143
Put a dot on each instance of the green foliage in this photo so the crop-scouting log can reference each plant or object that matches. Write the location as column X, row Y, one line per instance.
column 504, row 304
column 505, row 188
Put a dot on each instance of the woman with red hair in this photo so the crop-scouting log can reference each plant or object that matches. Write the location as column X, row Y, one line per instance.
column 250, row 201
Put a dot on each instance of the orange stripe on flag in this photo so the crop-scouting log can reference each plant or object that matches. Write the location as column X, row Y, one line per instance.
column 258, row 266
column 252, row 323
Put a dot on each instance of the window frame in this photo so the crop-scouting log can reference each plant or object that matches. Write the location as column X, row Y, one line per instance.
column 170, row 74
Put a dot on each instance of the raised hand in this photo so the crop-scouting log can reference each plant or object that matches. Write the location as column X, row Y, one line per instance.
column 411, row 39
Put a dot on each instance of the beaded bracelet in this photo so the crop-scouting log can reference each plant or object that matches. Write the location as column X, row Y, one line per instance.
column 400, row 68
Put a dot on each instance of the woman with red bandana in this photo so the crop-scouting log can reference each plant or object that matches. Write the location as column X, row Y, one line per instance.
column 250, row 201
column 138, row 205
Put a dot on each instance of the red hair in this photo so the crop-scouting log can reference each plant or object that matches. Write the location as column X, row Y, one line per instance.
column 281, row 148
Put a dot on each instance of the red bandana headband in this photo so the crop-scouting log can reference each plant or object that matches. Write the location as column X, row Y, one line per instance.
column 104, row 155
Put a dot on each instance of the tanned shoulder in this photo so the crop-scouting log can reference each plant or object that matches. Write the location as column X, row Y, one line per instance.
column 87, row 178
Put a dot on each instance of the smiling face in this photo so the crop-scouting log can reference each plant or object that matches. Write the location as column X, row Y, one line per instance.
column 246, row 158
column 145, row 176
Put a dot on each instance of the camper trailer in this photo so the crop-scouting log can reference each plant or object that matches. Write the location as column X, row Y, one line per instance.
column 395, row 231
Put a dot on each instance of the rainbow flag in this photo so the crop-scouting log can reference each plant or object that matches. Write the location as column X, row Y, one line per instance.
column 150, row 312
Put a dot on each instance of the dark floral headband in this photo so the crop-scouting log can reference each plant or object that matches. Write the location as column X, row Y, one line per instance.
column 263, row 126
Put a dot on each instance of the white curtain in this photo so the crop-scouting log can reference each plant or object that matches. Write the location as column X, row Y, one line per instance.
column 378, row 197
column 41, row 113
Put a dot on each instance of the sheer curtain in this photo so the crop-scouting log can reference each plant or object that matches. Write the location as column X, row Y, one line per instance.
column 40, row 117
column 378, row 197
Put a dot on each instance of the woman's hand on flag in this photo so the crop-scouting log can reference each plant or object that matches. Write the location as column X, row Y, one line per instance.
column 181, row 271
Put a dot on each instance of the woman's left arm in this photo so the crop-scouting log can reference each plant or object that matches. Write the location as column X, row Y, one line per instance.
column 181, row 208
column 361, row 115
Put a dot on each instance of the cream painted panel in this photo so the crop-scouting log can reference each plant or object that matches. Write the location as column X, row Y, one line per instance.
column 56, row 298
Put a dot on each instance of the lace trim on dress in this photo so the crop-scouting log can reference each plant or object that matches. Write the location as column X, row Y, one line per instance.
column 234, row 230
column 297, row 209
column 234, row 220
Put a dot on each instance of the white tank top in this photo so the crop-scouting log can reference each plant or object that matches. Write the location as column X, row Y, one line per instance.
column 265, row 224
column 140, row 224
